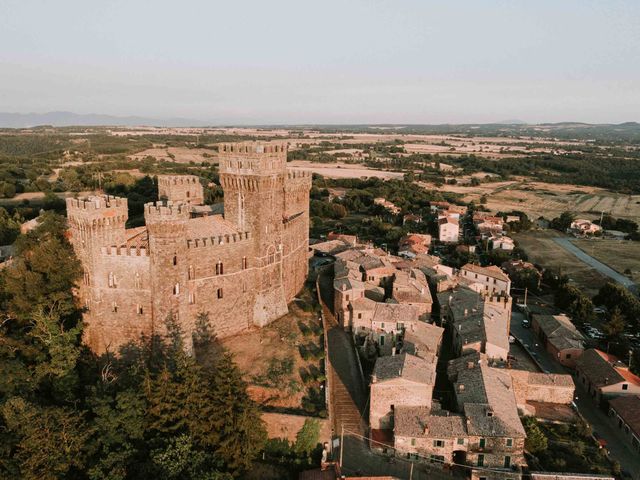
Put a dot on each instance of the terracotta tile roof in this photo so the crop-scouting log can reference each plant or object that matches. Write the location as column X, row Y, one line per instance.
column 599, row 368
column 420, row 422
column 408, row 367
column 560, row 331
column 445, row 220
column 491, row 271
column 628, row 408
column 209, row 226
column 422, row 339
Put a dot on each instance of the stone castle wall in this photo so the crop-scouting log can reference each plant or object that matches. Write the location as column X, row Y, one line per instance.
column 242, row 277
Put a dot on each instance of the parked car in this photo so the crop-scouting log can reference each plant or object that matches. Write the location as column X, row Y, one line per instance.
column 526, row 323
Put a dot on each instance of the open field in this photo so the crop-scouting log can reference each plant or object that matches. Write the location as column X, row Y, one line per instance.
column 619, row 255
column 543, row 251
column 177, row 154
column 342, row 170
column 547, row 199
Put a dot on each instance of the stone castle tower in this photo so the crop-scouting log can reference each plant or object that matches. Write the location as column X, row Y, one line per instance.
column 242, row 268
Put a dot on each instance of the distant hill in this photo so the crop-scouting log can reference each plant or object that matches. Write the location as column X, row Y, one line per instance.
column 65, row 119
column 514, row 121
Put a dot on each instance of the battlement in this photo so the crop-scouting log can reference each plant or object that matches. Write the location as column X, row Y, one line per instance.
column 166, row 211
column 167, row 180
column 218, row 240
column 252, row 149
column 122, row 251
column 96, row 202
column 252, row 158
column 295, row 173
column 98, row 211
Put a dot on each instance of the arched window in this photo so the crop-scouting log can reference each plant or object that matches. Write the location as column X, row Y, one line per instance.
column 219, row 268
column 191, row 272
column 271, row 255
column 139, row 309
column 175, row 260
column 114, row 307
column 137, row 281
column 176, row 289
column 220, row 293
column 192, row 298
column 244, row 263
column 112, row 280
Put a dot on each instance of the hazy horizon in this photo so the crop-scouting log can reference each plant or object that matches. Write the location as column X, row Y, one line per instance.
column 361, row 62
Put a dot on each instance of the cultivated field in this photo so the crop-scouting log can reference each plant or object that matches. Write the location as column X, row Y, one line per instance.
column 619, row 255
column 543, row 251
column 548, row 199
column 342, row 170
column 178, row 154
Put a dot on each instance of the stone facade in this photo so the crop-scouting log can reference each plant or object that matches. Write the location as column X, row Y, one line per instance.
column 241, row 268
column 181, row 188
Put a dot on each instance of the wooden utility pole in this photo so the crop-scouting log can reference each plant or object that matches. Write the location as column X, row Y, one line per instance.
column 525, row 296
column 411, row 472
column 341, row 442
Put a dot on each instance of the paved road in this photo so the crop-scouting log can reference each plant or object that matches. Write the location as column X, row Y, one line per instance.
column 597, row 419
column 599, row 266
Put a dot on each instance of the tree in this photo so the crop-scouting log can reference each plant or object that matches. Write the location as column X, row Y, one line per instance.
column 563, row 222
column 615, row 325
column 51, row 441
column 536, row 440
column 307, row 437
column 43, row 273
column 9, row 227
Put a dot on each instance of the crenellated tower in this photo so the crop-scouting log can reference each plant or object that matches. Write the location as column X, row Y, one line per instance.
column 180, row 188
column 167, row 228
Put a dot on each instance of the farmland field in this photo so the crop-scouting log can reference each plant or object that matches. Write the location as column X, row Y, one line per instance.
column 543, row 251
column 619, row 255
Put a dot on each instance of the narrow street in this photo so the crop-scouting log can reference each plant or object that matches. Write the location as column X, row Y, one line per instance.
column 349, row 401
column 595, row 417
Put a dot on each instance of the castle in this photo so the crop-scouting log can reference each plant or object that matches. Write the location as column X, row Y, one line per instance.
column 242, row 268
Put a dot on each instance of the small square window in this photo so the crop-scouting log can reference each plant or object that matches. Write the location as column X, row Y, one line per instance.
column 625, row 386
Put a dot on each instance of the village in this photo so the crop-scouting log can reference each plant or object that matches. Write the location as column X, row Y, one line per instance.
column 458, row 370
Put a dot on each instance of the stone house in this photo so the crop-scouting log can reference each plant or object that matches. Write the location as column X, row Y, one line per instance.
column 399, row 380
column 502, row 242
column 187, row 260
column 625, row 413
column 541, row 387
column 345, row 290
column 568, row 476
column 486, row 398
column 448, row 230
column 560, row 338
column 410, row 287
column 583, row 227
column 438, row 436
column 422, row 339
column 478, row 322
column 492, row 278
column 413, row 244
column 605, row 376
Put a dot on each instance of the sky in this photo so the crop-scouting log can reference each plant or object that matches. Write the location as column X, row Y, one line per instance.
column 349, row 61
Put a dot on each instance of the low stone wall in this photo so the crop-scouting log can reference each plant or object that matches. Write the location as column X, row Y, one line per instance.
column 282, row 425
